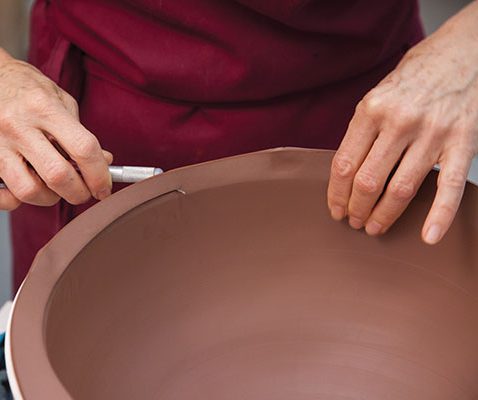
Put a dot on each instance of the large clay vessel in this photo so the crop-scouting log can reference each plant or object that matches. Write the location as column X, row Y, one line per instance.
column 229, row 281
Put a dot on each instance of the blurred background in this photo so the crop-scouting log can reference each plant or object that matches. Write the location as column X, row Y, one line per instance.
column 13, row 37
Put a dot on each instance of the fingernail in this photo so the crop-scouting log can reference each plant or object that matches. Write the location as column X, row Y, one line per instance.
column 433, row 234
column 373, row 228
column 355, row 223
column 103, row 194
column 337, row 212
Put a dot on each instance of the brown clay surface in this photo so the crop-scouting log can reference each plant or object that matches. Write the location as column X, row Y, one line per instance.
column 244, row 288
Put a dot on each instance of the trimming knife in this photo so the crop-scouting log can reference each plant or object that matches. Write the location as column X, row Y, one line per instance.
column 124, row 174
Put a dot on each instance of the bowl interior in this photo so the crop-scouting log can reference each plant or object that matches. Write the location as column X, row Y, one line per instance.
column 251, row 291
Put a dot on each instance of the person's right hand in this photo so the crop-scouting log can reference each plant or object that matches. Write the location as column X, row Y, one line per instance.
column 34, row 114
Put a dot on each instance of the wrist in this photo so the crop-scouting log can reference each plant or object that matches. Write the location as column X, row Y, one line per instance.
column 456, row 41
column 463, row 25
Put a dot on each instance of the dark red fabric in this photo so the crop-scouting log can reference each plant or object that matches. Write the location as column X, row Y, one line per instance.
column 175, row 82
column 232, row 51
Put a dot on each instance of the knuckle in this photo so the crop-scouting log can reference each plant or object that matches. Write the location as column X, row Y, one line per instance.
column 70, row 101
column 57, row 175
column 453, row 178
column 372, row 104
column 86, row 148
column 9, row 124
column 447, row 211
column 38, row 98
column 342, row 166
column 43, row 103
column 366, row 183
column 97, row 183
column 27, row 192
column 402, row 117
column 402, row 190
column 407, row 113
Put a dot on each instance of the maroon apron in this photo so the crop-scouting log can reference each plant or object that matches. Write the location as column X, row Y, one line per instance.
column 173, row 82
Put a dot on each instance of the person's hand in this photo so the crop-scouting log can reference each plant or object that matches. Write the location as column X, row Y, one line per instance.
column 36, row 118
column 424, row 112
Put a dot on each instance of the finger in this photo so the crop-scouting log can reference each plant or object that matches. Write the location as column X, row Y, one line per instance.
column 23, row 183
column 358, row 140
column 58, row 174
column 8, row 202
column 372, row 176
column 83, row 147
column 108, row 157
column 106, row 154
column 413, row 169
column 451, row 185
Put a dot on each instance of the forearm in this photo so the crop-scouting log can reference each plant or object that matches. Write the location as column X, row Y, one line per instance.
column 458, row 36
column 466, row 21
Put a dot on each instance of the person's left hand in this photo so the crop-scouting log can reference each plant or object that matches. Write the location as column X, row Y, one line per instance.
column 424, row 112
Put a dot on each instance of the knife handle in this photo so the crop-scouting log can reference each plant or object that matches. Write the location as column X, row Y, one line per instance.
column 124, row 174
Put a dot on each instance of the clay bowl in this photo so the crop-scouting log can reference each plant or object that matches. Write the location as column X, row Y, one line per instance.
column 228, row 280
